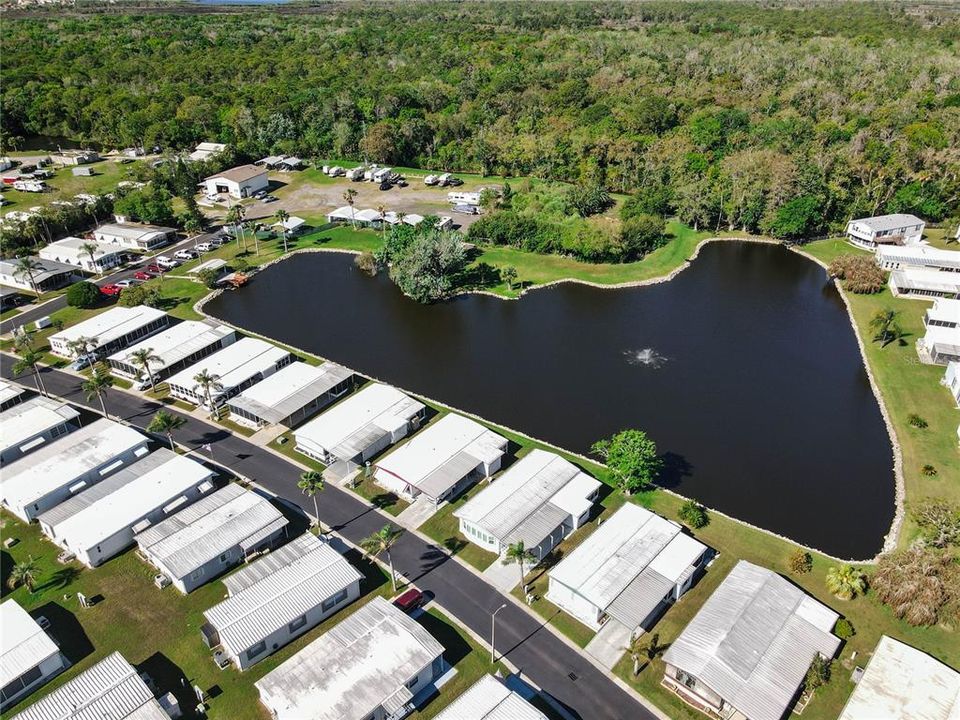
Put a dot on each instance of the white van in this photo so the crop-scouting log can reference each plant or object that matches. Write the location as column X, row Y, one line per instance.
column 166, row 262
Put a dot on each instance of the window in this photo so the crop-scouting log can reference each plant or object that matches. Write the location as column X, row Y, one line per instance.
column 686, row 680
column 297, row 623
column 335, row 600
column 225, row 558
column 196, row 574
column 257, row 649
column 413, row 681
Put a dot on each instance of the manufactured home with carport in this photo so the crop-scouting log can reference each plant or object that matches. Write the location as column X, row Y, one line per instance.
column 32, row 424
column 49, row 275
column 30, row 658
column 69, row 465
column 134, row 236
column 918, row 256
column 360, row 426
column 71, row 251
column 443, row 460
column 204, row 540
column 111, row 330
column 490, row 699
column 10, row 395
column 539, row 500
column 290, row 395
column 628, row 571
column 101, row 521
column 370, row 665
column 749, row 648
column 924, row 284
column 176, row 347
column 279, row 597
column 112, row 688
column 237, row 367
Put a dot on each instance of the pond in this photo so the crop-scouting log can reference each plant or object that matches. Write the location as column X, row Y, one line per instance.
column 744, row 369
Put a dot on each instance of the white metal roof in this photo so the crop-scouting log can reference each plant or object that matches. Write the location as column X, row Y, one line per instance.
column 537, row 479
column 918, row 255
column 441, row 454
column 944, row 339
column 889, row 222
column 110, row 689
column 176, row 343
column 753, row 641
column 132, row 231
column 65, row 460
column 200, row 532
column 289, row 389
column 490, row 699
column 265, row 602
column 110, row 324
column 8, row 391
column 25, row 645
column 31, row 418
column 46, row 269
column 212, row 264
column 343, row 213
column 359, row 665
column 617, row 552
column 291, row 223
column 903, row 683
column 234, row 364
column 73, row 247
column 346, row 428
column 149, row 484
column 945, row 310
column 925, row 279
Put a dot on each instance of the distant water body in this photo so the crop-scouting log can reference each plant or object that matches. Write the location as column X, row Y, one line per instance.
column 744, row 369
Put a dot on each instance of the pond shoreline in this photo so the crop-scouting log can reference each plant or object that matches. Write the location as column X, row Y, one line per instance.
column 889, row 540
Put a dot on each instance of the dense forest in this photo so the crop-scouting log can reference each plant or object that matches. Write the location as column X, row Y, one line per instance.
column 784, row 118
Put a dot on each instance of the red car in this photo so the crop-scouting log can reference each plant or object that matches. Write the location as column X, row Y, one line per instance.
column 409, row 600
column 111, row 290
column 154, row 268
column 143, row 275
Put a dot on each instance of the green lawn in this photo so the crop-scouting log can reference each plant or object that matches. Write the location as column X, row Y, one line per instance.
column 64, row 186
column 288, row 448
column 444, row 528
column 379, row 497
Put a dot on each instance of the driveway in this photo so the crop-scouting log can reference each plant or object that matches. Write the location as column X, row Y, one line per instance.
column 521, row 638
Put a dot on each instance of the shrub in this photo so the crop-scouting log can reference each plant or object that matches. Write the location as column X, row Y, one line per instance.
column 83, row 295
column 928, row 470
column 147, row 294
column 586, row 200
column 640, row 235
column 938, row 520
column 506, row 228
column 844, row 629
column 694, row 514
column 366, row 263
column 800, row 562
column 209, row 277
column 818, row 674
column 860, row 273
column 917, row 584
column 916, row 421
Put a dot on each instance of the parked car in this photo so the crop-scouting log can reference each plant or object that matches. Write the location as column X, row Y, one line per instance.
column 146, row 274
column 385, row 185
column 260, row 193
column 401, row 182
column 84, row 361
column 268, row 199
column 205, row 247
column 153, row 269
column 125, row 283
column 111, row 290
column 185, row 254
column 454, row 181
column 466, row 209
column 125, row 161
column 166, row 262
column 220, row 240
column 410, row 600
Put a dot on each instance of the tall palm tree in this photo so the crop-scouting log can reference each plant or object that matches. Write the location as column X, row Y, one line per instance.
column 350, row 195
column 90, row 248
column 311, row 482
column 82, row 345
column 519, row 554
column 233, row 217
column 166, row 423
column 96, row 386
column 25, row 268
column 142, row 358
column 209, row 383
column 24, row 573
column 30, row 359
column 645, row 647
column 382, row 211
column 282, row 217
column 884, row 326
column 845, row 581
column 381, row 543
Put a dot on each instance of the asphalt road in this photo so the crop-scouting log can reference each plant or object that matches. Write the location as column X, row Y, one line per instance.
column 540, row 655
column 28, row 316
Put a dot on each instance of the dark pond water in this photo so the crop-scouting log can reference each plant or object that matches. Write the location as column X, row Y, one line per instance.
column 744, row 369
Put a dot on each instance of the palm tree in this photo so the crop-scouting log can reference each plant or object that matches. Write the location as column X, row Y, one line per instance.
column 382, row 211
column 166, row 423
column 96, row 386
column 81, row 346
column 282, row 217
column 233, row 217
column 509, row 274
column 845, row 582
column 349, row 194
column 519, row 554
column 142, row 358
column 311, row 482
column 401, row 216
column 382, row 542
column 884, row 326
column 644, row 647
column 30, row 359
column 25, row 268
column 209, row 383
column 90, row 248
column 23, row 573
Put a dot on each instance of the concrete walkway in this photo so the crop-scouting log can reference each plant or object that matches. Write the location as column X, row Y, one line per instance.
column 503, row 577
column 609, row 645
column 417, row 514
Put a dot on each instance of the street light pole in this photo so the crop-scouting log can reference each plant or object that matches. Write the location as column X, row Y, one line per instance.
column 493, row 635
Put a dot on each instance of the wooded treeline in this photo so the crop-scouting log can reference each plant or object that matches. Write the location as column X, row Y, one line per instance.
column 784, row 119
